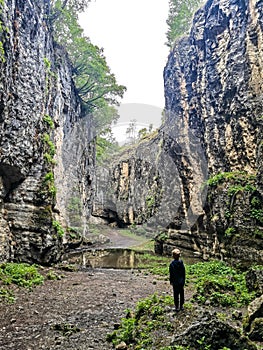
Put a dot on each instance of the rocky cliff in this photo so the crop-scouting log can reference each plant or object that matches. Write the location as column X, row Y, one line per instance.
column 43, row 165
column 200, row 178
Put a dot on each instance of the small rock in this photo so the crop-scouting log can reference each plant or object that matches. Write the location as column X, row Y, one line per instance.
column 121, row 346
column 237, row 315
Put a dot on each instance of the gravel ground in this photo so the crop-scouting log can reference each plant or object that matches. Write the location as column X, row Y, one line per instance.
column 84, row 304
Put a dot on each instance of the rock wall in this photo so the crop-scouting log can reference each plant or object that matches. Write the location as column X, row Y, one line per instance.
column 40, row 114
column 213, row 88
column 206, row 161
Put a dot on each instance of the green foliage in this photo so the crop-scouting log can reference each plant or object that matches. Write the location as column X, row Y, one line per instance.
column 136, row 327
column 49, row 184
column 47, row 63
column 234, row 183
column 203, row 344
column 257, row 214
column 50, row 144
column 50, row 150
column 180, row 18
column 6, row 295
column 219, row 283
column 23, row 275
column 49, row 73
column 2, row 50
column 95, row 83
column 52, row 276
column 66, row 329
column 150, row 201
column 49, row 121
column 157, row 265
column 230, row 231
column 238, row 177
column 58, row 227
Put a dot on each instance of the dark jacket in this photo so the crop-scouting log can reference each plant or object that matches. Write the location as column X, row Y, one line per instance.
column 177, row 273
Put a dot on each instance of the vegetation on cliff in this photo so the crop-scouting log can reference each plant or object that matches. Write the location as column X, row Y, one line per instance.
column 180, row 18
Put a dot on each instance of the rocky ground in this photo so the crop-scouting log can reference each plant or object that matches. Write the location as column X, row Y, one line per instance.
column 75, row 312
column 78, row 310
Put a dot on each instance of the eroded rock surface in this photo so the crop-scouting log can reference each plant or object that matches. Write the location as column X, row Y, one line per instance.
column 212, row 127
column 39, row 111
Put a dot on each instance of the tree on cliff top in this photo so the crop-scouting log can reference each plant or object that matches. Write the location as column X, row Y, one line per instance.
column 180, row 17
column 95, row 83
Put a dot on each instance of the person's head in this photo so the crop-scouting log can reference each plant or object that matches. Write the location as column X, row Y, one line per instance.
column 176, row 253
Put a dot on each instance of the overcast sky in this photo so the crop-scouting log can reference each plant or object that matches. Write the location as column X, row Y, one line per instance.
column 132, row 33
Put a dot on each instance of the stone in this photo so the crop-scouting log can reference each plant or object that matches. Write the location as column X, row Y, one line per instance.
column 212, row 125
column 28, row 93
column 121, row 346
column 256, row 333
column 255, row 311
column 215, row 333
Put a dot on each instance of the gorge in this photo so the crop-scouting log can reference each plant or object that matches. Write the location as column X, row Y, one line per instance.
column 195, row 184
column 197, row 181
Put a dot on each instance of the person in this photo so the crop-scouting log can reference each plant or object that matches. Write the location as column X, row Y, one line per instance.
column 177, row 279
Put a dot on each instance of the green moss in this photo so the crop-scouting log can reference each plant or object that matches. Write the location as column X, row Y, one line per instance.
column 2, row 50
column 230, row 231
column 50, row 144
column 49, row 184
column 6, row 295
column 47, row 119
column 238, row 177
column 58, row 227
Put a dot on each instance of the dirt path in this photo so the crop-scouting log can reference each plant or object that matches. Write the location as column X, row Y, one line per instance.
column 118, row 238
column 91, row 301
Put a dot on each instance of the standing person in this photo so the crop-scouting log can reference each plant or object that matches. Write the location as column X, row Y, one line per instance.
column 177, row 279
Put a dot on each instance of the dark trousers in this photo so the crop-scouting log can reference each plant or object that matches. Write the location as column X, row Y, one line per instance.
column 178, row 291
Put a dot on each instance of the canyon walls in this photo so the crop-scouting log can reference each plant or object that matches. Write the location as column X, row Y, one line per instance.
column 200, row 177
column 41, row 126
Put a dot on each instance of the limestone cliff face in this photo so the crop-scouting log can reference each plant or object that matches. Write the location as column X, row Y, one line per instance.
column 212, row 134
column 213, row 88
column 39, row 118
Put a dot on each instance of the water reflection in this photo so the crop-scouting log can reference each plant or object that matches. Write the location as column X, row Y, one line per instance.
column 117, row 258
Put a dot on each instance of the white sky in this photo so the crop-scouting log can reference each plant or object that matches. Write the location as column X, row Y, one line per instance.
column 132, row 33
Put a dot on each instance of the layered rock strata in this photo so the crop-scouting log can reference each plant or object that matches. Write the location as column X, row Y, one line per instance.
column 206, row 161
column 39, row 117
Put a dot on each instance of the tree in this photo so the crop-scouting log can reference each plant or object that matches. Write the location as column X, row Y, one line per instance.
column 95, row 83
column 180, row 18
column 131, row 130
column 58, row 6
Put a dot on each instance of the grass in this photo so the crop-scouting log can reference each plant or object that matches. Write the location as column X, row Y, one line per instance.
column 215, row 281
column 22, row 275
column 219, row 283
column 136, row 328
